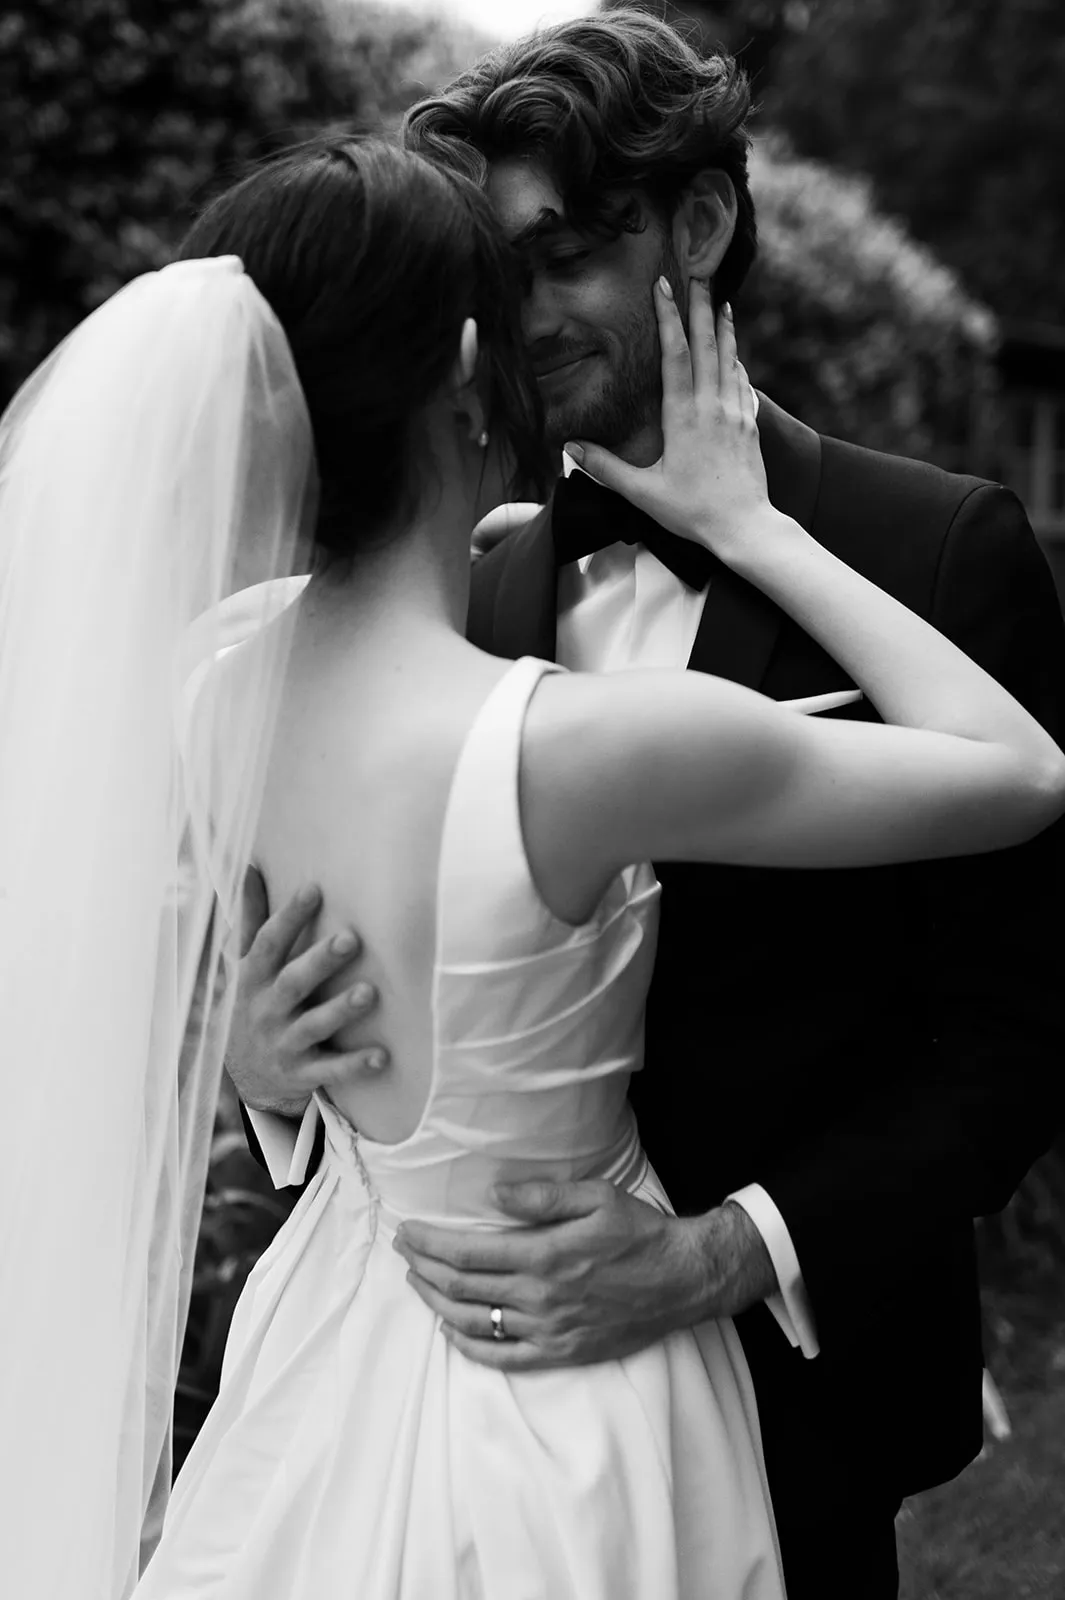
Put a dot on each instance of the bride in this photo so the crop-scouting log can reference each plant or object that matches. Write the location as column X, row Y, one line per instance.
column 332, row 385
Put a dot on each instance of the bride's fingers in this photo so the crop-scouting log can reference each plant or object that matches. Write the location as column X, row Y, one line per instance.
column 747, row 407
column 728, row 384
column 703, row 336
column 607, row 469
column 676, row 357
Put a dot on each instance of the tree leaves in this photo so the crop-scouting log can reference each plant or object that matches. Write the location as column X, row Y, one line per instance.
column 955, row 109
column 850, row 324
column 117, row 120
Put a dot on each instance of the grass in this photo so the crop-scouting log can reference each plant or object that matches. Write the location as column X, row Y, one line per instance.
column 997, row 1532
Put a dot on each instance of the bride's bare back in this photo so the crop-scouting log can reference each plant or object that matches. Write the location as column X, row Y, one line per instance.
column 355, row 799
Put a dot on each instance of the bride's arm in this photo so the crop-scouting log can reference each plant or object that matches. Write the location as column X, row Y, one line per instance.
column 662, row 766
column 687, row 767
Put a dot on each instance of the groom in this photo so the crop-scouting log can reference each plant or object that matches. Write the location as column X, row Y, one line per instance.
column 843, row 1068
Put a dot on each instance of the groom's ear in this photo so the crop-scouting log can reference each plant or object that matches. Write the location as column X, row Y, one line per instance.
column 704, row 223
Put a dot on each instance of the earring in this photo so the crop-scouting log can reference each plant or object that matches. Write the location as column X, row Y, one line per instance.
column 482, row 438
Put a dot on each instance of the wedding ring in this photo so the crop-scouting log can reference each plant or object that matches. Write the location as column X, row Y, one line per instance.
column 496, row 1315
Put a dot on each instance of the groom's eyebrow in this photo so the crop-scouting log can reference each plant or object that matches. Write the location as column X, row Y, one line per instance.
column 545, row 225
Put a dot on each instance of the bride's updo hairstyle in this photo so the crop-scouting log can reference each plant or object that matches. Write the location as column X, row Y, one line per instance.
column 372, row 258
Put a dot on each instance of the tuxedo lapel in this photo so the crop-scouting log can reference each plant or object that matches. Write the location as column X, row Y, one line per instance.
column 739, row 626
column 524, row 621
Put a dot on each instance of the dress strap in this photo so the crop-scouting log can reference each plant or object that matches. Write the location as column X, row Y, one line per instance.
column 484, row 884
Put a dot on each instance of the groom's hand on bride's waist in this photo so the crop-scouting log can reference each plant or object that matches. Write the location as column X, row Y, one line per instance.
column 595, row 1275
column 279, row 1047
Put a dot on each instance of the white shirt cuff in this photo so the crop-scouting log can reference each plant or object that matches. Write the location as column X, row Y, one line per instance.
column 286, row 1149
column 791, row 1307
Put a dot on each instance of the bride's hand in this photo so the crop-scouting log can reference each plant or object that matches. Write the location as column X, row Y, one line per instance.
column 709, row 485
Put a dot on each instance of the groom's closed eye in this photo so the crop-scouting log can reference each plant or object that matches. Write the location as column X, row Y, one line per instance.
column 563, row 266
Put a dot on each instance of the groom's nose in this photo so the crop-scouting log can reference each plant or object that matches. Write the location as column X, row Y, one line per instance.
column 542, row 315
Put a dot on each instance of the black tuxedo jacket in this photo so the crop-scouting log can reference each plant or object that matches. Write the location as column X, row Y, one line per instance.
column 882, row 1049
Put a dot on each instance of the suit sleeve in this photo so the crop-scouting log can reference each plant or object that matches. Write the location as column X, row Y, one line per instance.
column 980, row 1096
column 484, row 584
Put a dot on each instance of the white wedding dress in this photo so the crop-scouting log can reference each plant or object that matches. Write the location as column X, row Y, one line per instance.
column 353, row 1454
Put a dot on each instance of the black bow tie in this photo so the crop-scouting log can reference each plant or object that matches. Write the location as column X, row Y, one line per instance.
column 585, row 517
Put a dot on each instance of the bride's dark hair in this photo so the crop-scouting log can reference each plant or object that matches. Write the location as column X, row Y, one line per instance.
column 372, row 258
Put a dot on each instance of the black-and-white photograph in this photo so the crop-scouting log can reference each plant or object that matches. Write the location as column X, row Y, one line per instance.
column 532, row 800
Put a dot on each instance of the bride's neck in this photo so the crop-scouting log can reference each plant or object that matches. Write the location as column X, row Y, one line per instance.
column 416, row 578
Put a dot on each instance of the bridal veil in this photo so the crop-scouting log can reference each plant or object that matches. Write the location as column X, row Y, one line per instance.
column 157, row 465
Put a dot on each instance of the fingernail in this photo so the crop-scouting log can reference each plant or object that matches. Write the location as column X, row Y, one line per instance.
column 727, row 308
column 309, row 895
column 344, row 943
column 664, row 285
column 361, row 995
column 575, row 452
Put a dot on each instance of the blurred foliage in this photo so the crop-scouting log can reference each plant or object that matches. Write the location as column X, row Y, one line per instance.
column 117, row 125
column 997, row 1529
column 955, row 109
column 996, row 1532
column 852, row 326
column 1025, row 1244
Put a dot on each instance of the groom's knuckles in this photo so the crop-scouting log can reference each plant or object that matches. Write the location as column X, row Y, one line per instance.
column 321, row 1023
column 299, row 978
column 463, row 1255
column 422, row 1240
column 538, row 1200
column 469, row 1318
column 538, row 1297
column 324, row 960
column 451, row 1283
column 331, row 1070
column 278, row 934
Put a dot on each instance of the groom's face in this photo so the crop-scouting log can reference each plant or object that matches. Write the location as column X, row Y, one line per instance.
column 588, row 315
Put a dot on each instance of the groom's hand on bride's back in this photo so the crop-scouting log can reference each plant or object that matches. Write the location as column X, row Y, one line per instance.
column 595, row 1274
column 279, row 1047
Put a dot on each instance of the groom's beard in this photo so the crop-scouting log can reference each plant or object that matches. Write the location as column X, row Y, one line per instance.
column 624, row 389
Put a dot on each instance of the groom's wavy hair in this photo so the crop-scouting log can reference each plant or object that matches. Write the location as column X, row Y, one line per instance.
column 614, row 108
column 372, row 258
